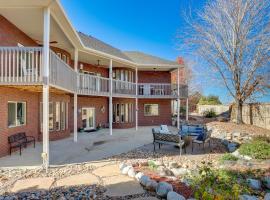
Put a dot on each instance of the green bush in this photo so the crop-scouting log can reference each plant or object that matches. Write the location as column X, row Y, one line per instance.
column 218, row 184
column 258, row 148
column 209, row 100
column 228, row 157
column 152, row 165
column 209, row 114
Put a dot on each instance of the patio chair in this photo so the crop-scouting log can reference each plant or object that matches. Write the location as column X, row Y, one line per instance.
column 204, row 137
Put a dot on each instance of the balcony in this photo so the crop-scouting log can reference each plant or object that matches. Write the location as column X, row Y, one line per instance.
column 23, row 66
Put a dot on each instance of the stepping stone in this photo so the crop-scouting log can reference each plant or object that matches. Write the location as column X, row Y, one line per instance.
column 32, row 184
column 109, row 170
column 81, row 179
column 121, row 186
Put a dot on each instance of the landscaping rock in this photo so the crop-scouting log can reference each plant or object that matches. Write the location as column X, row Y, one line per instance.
column 174, row 196
column 144, row 179
column 254, row 183
column 248, row 197
column 232, row 147
column 163, row 188
column 122, row 166
column 131, row 172
column 266, row 182
column 267, row 196
column 173, row 165
column 126, row 169
column 179, row 171
column 151, row 185
column 138, row 176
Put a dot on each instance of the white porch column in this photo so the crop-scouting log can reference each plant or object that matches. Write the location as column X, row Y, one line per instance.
column 45, row 94
column 110, row 97
column 187, row 109
column 136, row 101
column 178, row 99
column 75, row 135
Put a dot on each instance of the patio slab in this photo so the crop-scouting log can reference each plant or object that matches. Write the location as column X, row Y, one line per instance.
column 106, row 171
column 75, row 180
column 121, row 185
column 32, row 184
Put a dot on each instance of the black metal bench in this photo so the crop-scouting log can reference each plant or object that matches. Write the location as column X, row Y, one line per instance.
column 20, row 140
column 170, row 139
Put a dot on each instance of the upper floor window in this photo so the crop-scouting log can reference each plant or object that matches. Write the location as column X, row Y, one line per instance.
column 123, row 75
column 151, row 110
column 16, row 114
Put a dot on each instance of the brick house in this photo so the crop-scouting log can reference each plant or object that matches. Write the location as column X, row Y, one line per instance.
column 51, row 74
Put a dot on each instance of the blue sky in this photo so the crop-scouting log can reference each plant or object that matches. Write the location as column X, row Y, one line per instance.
column 150, row 26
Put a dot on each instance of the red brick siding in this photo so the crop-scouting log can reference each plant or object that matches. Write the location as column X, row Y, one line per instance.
column 154, row 77
column 164, row 116
column 182, row 76
column 32, row 116
column 125, row 125
column 10, row 35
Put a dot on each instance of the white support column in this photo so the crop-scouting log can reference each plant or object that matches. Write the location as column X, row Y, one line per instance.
column 136, row 101
column 75, row 135
column 178, row 99
column 187, row 109
column 45, row 94
column 110, row 97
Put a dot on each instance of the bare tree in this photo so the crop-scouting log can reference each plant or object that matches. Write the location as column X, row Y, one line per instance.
column 233, row 37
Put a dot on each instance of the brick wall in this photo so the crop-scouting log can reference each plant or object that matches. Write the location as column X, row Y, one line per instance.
column 154, row 77
column 32, row 116
column 164, row 116
column 10, row 35
column 182, row 76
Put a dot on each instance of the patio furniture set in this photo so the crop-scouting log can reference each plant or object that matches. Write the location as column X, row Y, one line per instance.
column 198, row 134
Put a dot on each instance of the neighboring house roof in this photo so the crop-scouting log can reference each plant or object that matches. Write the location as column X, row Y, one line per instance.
column 99, row 45
column 144, row 59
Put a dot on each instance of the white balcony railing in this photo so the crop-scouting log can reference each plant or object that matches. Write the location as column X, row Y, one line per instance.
column 90, row 85
column 61, row 74
column 23, row 66
column 20, row 65
column 123, row 87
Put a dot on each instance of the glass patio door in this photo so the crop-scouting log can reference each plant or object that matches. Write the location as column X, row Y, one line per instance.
column 88, row 118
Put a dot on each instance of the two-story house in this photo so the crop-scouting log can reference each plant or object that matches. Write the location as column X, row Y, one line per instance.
column 55, row 81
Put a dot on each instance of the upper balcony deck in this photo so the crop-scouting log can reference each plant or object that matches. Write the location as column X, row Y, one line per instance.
column 23, row 66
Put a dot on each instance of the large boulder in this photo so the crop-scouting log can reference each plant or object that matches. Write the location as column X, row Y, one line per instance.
column 131, row 172
column 126, row 169
column 122, row 166
column 163, row 189
column 175, row 196
column 173, row 165
column 179, row 171
column 254, row 184
column 144, row 180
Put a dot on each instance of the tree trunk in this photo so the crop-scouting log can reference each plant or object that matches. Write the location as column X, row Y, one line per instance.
column 239, row 109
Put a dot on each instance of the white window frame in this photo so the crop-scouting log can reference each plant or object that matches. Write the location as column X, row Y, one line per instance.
column 16, row 104
column 150, row 104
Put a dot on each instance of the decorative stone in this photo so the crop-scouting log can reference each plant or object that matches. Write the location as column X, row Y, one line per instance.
column 163, row 188
column 173, row 165
column 254, row 183
column 122, row 166
column 174, row 196
column 144, row 179
column 267, row 196
column 138, row 176
column 131, row 172
column 126, row 169
column 151, row 185
column 248, row 197
column 266, row 182
column 179, row 171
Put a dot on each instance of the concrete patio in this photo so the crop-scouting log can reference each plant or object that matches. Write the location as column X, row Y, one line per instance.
column 91, row 146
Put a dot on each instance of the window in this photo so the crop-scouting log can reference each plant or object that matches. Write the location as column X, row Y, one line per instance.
column 51, row 116
column 151, row 110
column 123, row 113
column 16, row 114
column 63, row 116
column 57, row 116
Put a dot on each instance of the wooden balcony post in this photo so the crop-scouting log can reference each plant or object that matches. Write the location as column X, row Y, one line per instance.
column 136, row 101
column 178, row 99
column 110, row 97
column 75, row 135
column 45, row 94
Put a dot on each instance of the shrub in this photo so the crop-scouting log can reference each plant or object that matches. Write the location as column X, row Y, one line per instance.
column 218, row 184
column 258, row 148
column 209, row 114
column 228, row 157
column 152, row 165
column 209, row 100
